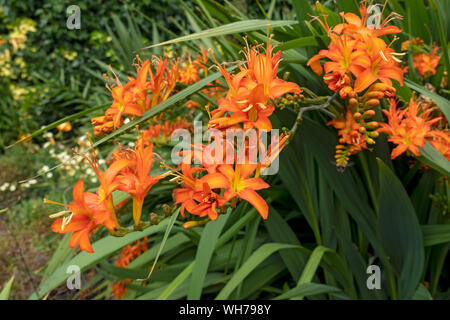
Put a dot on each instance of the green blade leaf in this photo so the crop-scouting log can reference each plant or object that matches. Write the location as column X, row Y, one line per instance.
column 400, row 232
column 58, row 122
column 308, row 289
column 255, row 259
column 436, row 234
column 235, row 27
column 434, row 159
column 205, row 250
column 103, row 248
column 6, row 291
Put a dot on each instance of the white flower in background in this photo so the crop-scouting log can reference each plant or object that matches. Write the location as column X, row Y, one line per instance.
column 48, row 135
column 12, row 188
column 49, row 175
column 32, row 181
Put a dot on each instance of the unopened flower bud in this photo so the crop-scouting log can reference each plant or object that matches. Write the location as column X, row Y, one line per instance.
column 372, row 103
column 191, row 224
column 372, row 125
column 353, row 102
column 369, row 114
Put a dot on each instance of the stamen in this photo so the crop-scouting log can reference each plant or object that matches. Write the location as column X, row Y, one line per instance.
column 383, row 56
column 248, row 108
column 58, row 214
column 54, row 202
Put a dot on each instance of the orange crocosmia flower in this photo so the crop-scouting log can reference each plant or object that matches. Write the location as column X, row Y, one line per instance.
column 262, row 70
column 348, row 130
column 250, row 90
column 189, row 73
column 123, row 104
column 107, row 179
column 426, row 64
column 139, row 87
column 407, row 128
column 249, row 111
column 201, row 61
column 135, row 179
column 163, row 82
column 384, row 66
column 344, row 59
column 87, row 213
column 358, row 25
column 244, row 187
column 104, row 124
column 206, row 203
column 197, row 196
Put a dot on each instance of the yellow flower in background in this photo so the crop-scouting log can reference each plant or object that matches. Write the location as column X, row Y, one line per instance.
column 168, row 51
column 17, row 92
column 70, row 55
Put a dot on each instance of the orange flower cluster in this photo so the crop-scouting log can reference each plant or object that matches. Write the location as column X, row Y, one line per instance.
column 411, row 127
column 247, row 101
column 208, row 189
column 128, row 172
column 423, row 61
column 426, row 64
column 141, row 94
column 128, row 254
column 356, row 52
column 361, row 67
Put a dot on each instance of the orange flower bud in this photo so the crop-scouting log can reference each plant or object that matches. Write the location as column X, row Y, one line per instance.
column 353, row 102
column 372, row 125
column 372, row 103
column 369, row 114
